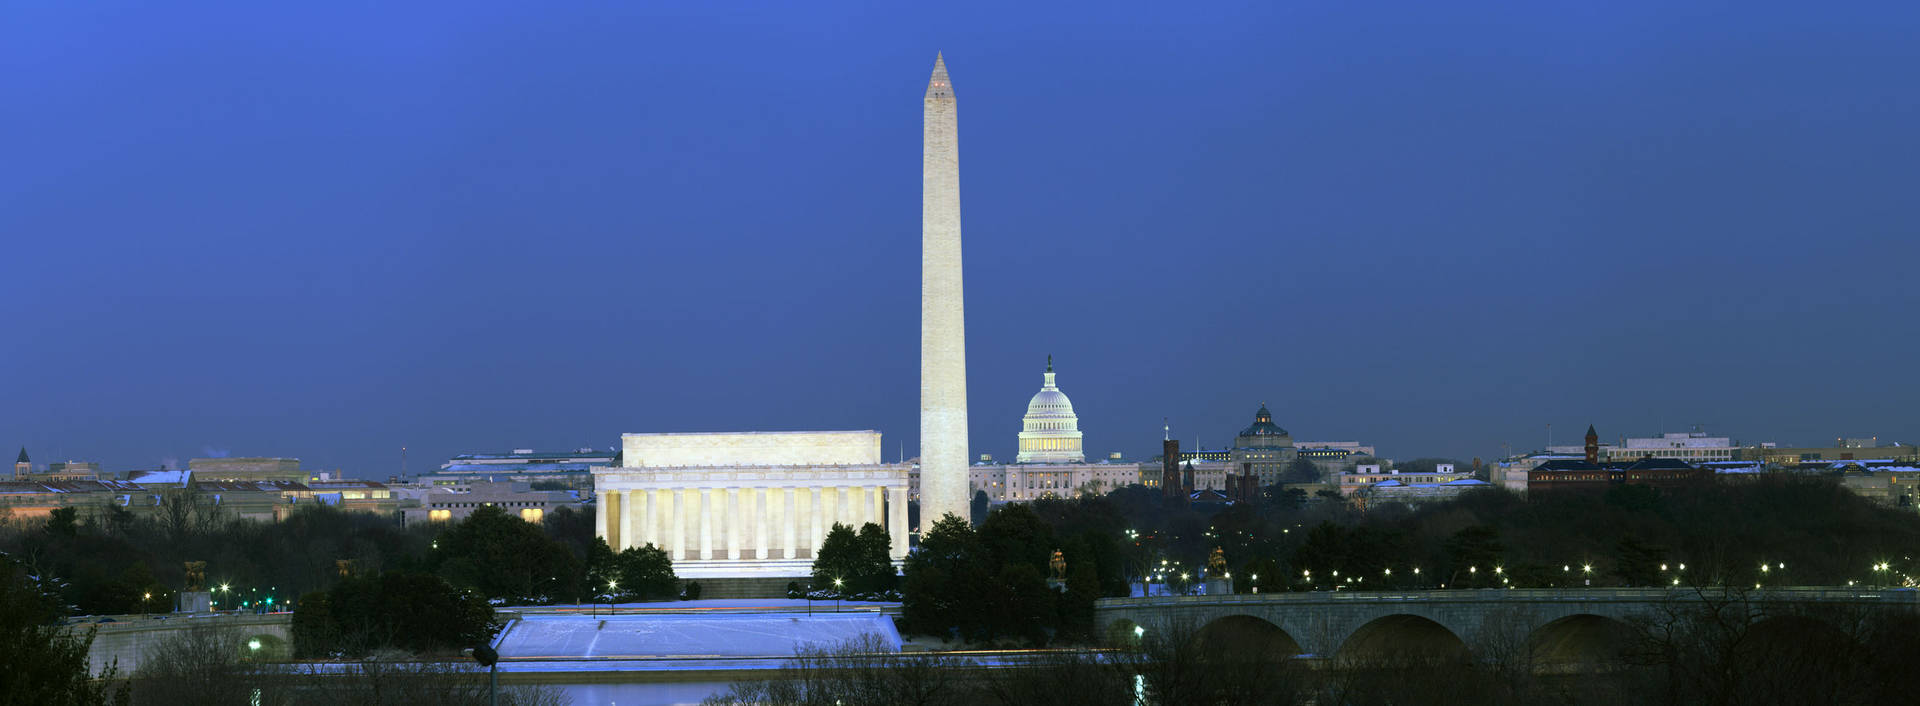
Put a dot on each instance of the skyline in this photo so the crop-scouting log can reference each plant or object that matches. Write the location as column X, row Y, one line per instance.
column 450, row 234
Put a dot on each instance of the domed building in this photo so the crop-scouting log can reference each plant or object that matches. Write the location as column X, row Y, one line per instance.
column 1263, row 449
column 1051, row 461
column 1263, row 433
column 1050, row 433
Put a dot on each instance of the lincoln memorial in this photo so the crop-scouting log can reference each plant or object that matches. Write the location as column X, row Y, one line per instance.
column 747, row 504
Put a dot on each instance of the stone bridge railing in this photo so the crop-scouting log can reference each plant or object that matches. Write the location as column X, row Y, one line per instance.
column 1569, row 622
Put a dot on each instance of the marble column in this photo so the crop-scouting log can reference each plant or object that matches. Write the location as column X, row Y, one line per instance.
column 602, row 519
column 735, row 522
column 612, row 498
column 759, row 515
column 781, row 499
column 671, row 513
column 705, row 513
column 817, row 504
column 877, row 508
column 632, row 511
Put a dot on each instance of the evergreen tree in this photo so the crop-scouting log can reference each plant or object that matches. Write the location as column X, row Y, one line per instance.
column 502, row 556
column 876, row 560
column 837, row 563
column 45, row 662
column 645, row 572
column 941, row 591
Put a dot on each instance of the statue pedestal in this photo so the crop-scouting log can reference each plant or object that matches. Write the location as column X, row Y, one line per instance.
column 1058, row 585
column 193, row 602
column 1219, row 587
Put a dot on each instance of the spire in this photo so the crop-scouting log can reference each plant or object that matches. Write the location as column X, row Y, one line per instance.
column 1591, row 434
column 939, row 85
column 23, row 456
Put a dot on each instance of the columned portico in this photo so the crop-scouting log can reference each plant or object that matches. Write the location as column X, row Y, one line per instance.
column 748, row 504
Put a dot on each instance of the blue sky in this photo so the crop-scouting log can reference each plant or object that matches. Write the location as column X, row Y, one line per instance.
column 332, row 230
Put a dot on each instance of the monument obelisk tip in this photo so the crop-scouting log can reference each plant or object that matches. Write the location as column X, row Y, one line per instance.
column 939, row 84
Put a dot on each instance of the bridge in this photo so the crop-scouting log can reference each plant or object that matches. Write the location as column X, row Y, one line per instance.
column 1553, row 625
column 125, row 639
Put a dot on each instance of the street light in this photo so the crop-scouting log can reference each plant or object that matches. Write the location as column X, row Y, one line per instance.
column 836, row 595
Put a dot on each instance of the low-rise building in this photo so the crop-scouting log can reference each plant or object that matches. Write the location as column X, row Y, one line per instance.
column 1887, row 483
column 1584, row 475
column 34, row 500
column 1367, row 475
column 354, row 495
column 1396, row 491
column 572, row 469
column 247, row 469
column 423, row 503
column 1778, row 456
column 1030, row 481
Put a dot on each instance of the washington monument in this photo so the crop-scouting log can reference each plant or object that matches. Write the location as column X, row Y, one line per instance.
column 943, row 325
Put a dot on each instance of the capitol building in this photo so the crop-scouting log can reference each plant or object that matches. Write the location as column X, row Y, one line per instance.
column 1052, row 460
column 1050, row 433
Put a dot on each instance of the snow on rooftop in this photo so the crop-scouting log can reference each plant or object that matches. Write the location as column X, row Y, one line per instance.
column 161, row 477
column 683, row 635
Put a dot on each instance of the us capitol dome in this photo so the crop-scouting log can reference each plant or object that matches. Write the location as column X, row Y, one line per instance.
column 1050, row 433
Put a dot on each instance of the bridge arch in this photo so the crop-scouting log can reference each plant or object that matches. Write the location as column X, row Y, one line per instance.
column 1579, row 639
column 1402, row 637
column 1246, row 636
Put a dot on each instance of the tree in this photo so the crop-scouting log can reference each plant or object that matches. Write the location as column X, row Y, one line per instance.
column 876, row 560
column 860, row 563
column 1015, row 534
column 644, row 572
column 1083, row 589
column 1473, row 552
column 838, row 558
column 316, row 632
column 411, row 611
column 45, row 662
column 978, row 508
column 200, row 664
column 62, row 521
column 503, row 556
column 1637, row 563
column 942, row 586
column 1302, row 470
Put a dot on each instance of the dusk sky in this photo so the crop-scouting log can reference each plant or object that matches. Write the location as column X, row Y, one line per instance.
column 330, row 230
